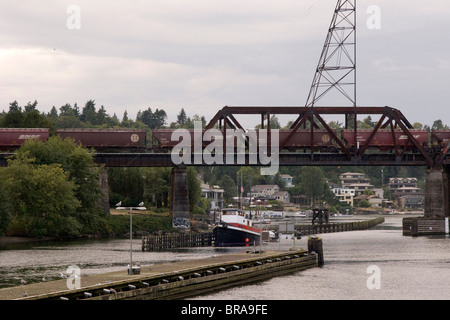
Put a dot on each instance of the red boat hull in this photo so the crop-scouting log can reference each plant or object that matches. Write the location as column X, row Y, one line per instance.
column 234, row 235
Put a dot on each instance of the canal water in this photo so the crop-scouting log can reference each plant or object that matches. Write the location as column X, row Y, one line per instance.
column 373, row 264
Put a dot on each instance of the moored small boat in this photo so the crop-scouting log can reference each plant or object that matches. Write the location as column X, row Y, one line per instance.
column 235, row 228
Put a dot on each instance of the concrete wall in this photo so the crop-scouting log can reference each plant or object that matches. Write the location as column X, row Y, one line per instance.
column 437, row 192
column 179, row 208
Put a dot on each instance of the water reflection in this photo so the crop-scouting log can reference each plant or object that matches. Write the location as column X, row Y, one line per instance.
column 411, row 268
column 35, row 261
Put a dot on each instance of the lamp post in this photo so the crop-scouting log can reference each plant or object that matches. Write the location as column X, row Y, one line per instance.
column 140, row 207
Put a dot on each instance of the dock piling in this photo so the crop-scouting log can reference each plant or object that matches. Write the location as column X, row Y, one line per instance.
column 315, row 245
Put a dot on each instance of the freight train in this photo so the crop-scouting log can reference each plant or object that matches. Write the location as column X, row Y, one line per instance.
column 135, row 139
column 321, row 140
column 100, row 139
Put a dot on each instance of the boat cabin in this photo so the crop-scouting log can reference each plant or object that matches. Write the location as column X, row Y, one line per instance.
column 234, row 215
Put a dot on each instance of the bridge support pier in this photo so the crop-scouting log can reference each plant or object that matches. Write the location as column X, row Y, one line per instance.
column 179, row 200
column 437, row 192
column 104, row 187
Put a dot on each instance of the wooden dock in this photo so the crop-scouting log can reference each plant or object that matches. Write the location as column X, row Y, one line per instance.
column 170, row 241
column 421, row 226
column 339, row 226
column 172, row 280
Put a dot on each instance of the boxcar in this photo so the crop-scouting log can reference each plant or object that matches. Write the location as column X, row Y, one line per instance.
column 302, row 139
column 384, row 140
column 162, row 140
column 441, row 136
column 106, row 138
column 11, row 138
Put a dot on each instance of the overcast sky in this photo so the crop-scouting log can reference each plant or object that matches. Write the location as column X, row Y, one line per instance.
column 204, row 54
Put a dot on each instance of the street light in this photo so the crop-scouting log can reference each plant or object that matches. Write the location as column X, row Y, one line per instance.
column 131, row 270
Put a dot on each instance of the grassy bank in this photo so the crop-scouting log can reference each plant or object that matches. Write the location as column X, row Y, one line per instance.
column 117, row 224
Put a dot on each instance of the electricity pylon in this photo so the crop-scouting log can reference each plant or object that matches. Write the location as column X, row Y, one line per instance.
column 336, row 70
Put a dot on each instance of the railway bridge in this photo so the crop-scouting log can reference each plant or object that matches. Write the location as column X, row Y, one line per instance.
column 310, row 140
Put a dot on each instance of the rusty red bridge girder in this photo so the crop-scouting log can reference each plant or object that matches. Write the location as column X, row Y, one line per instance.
column 407, row 150
column 387, row 119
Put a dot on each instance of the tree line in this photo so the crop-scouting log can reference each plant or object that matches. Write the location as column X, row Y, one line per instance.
column 90, row 116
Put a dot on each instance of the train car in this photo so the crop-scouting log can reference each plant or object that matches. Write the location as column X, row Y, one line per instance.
column 302, row 139
column 383, row 139
column 13, row 138
column 162, row 140
column 106, row 138
column 442, row 137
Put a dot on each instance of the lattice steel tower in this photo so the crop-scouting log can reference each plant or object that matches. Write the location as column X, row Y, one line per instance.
column 336, row 70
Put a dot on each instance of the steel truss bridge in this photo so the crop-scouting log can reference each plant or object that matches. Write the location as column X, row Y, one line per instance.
column 309, row 121
column 312, row 118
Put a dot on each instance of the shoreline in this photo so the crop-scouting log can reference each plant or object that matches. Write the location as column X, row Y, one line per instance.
column 18, row 240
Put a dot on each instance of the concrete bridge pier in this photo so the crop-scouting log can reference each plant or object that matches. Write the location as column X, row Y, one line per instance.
column 437, row 192
column 179, row 200
column 104, row 187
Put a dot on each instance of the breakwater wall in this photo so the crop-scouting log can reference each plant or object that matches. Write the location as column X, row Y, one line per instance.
column 192, row 278
column 171, row 241
column 339, row 226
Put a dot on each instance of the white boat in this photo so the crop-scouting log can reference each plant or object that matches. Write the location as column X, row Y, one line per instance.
column 235, row 228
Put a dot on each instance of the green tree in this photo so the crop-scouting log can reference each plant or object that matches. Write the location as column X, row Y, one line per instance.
column 6, row 212
column 89, row 113
column 157, row 186
column 77, row 161
column 181, row 117
column 438, row 125
column 313, row 183
column 102, row 117
column 43, row 196
column 229, row 188
column 154, row 120
column 126, row 185
column 53, row 113
column 30, row 118
column 31, row 106
column 364, row 204
column 274, row 123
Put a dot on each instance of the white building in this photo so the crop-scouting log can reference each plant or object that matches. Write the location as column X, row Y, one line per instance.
column 282, row 196
column 406, row 192
column 345, row 195
column 214, row 194
column 287, row 179
column 351, row 178
column 264, row 190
